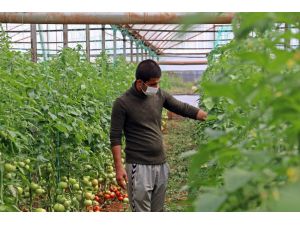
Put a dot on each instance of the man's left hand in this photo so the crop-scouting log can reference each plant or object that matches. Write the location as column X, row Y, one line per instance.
column 201, row 115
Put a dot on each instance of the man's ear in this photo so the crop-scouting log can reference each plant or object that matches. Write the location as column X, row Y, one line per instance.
column 139, row 84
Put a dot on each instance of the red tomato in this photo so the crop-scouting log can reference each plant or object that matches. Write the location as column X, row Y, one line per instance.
column 112, row 195
column 118, row 193
column 107, row 196
column 120, row 198
column 97, row 208
column 125, row 195
column 97, row 198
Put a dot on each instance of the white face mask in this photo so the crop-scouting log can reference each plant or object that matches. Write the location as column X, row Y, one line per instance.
column 150, row 91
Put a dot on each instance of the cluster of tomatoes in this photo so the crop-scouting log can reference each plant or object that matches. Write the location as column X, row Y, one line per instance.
column 115, row 193
column 106, row 197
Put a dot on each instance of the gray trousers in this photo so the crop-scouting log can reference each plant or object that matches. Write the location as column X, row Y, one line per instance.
column 147, row 186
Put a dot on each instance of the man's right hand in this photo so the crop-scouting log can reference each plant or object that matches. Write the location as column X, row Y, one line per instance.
column 121, row 177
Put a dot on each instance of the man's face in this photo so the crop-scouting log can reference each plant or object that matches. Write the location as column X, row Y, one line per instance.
column 153, row 82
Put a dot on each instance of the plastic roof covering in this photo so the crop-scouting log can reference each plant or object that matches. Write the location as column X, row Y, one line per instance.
column 167, row 39
column 175, row 45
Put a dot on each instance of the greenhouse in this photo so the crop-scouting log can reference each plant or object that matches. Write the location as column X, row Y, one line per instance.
column 60, row 76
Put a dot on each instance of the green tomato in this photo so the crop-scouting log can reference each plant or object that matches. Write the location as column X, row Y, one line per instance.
column 20, row 190
column 8, row 175
column 62, row 185
column 94, row 182
column 9, row 167
column 21, row 164
column 40, row 191
column 110, row 175
column 86, row 182
column 64, row 178
column 34, row 186
column 61, row 199
column 27, row 161
column 67, row 203
column 59, row 207
column 49, row 169
column 39, row 210
column 72, row 181
column 95, row 203
column 88, row 202
column 88, row 195
column 76, row 187
column 86, row 178
column 110, row 169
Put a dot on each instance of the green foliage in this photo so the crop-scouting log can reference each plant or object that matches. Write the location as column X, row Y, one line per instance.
column 57, row 115
column 251, row 140
column 176, row 85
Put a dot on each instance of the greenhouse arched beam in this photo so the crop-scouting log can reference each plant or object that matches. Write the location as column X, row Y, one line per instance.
column 112, row 18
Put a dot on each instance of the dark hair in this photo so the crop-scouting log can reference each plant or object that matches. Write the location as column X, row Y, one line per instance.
column 147, row 69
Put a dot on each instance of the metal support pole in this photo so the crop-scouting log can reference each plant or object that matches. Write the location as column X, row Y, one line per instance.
column 103, row 39
column 65, row 35
column 115, row 45
column 192, row 62
column 42, row 42
column 87, row 42
column 33, row 42
column 124, row 45
column 214, row 35
column 131, row 50
column 287, row 41
column 48, row 46
column 142, row 53
column 137, row 54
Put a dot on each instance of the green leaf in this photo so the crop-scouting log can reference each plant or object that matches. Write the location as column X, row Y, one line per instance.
column 9, row 208
column 208, row 102
column 209, row 202
column 61, row 127
column 52, row 116
column 213, row 134
column 236, row 178
column 41, row 158
column 258, row 157
column 287, row 200
column 13, row 190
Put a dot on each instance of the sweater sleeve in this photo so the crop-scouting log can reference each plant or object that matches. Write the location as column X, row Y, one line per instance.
column 117, row 123
column 179, row 107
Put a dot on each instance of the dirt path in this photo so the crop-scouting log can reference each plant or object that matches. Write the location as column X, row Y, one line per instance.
column 178, row 139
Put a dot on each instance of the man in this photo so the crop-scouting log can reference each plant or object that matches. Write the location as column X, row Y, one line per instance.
column 137, row 113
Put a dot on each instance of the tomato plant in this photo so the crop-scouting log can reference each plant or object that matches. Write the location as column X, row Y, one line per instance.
column 248, row 158
column 54, row 128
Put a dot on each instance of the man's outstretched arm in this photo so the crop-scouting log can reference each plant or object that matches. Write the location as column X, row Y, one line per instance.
column 182, row 108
